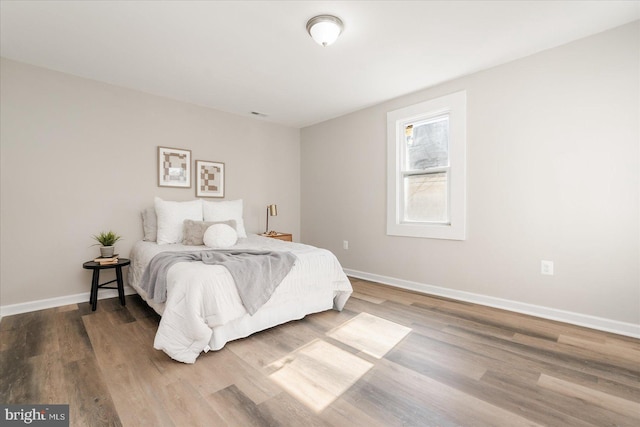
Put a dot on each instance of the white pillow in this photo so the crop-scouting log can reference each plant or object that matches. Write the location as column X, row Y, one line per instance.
column 224, row 211
column 220, row 236
column 171, row 216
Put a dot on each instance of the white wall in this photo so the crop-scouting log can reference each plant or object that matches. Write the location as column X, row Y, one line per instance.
column 79, row 157
column 553, row 161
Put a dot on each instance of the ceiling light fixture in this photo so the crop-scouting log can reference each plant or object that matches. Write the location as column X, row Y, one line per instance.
column 324, row 29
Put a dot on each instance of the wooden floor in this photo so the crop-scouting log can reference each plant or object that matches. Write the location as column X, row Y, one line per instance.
column 391, row 358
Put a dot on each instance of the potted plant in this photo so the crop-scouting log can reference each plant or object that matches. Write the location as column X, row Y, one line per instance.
column 107, row 240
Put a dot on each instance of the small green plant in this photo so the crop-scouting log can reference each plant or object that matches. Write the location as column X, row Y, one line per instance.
column 108, row 238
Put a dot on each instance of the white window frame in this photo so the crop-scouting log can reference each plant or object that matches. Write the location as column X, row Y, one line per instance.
column 455, row 106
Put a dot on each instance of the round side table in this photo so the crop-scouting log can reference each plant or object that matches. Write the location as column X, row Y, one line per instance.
column 96, row 267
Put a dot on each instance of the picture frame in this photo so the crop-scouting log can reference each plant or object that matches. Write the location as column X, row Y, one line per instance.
column 174, row 167
column 209, row 179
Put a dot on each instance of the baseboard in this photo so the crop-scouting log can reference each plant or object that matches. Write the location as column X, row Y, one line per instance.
column 25, row 307
column 593, row 322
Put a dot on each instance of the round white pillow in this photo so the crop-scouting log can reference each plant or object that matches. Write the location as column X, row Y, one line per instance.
column 220, row 236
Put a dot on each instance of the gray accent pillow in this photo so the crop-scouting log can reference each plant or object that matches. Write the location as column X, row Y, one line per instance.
column 149, row 224
column 193, row 231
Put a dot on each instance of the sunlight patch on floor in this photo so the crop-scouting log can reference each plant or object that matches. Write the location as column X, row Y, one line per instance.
column 318, row 373
column 370, row 334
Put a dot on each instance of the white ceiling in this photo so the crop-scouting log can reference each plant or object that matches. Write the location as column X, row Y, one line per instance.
column 243, row 56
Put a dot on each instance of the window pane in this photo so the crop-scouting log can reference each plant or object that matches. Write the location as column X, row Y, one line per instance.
column 426, row 198
column 427, row 144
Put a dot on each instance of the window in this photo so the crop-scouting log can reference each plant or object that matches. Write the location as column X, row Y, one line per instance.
column 426, row 169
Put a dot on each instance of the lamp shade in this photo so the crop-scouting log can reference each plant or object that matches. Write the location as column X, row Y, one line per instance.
column 324, row 29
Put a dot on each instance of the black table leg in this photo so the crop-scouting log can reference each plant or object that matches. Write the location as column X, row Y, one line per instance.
column 120, row 285
column 94, row 289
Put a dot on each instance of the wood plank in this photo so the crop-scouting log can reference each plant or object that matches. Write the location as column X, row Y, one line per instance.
column 15, row 376
column 89, row 399
column 344, row 413
column 616, row 404
column 284, row 410
column 131, row 380
column 235, row 408
column 47, row 380
column 417, row 399
column 73, row 340
column 368, row 298
column 186, row 407
column 318, row 373
column 15, row 371
column 614, row 350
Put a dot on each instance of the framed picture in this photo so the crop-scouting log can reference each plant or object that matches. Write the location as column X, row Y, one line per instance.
column 174, row 167
column 209, row 179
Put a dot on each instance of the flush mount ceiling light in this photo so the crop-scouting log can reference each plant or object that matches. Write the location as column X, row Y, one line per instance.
column 324, row 29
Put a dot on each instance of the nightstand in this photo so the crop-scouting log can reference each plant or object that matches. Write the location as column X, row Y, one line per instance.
column 95, row 285
column 280, row 236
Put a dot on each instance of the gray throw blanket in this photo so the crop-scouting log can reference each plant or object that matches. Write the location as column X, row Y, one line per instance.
column 257, row 274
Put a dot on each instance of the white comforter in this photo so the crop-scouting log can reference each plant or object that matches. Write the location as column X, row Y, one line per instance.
column 203, row 310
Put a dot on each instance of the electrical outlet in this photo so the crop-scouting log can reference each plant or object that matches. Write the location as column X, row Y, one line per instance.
column 345, row 245
column 546, row 267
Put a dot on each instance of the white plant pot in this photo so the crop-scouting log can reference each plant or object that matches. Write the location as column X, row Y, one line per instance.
column 106, row 251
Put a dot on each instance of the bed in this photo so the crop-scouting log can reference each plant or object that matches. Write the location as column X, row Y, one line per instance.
column 203, row 310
